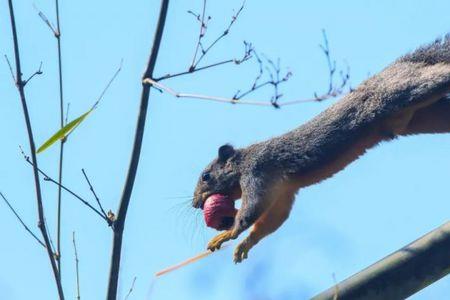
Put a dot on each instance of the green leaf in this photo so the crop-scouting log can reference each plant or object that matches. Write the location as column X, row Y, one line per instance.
column 64, row 132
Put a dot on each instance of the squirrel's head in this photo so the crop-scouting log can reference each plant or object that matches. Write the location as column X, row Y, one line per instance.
column 221, row 176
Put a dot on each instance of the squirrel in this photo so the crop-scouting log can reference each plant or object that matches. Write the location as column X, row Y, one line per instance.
column 410, row 96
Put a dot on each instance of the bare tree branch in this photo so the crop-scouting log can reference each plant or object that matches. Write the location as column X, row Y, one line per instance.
column 200, row 35
column 99, row 98
column 224, row 33
column 108, row 84
column 57, row 35
column 20, row 87
column 21, row 221
column 247, row 55
column 345, row 76
column 67, row 114
column 76, row 264
column 50, row 179
column 201, row 18
column 131, row 288
column 233, row 100
column 331, row 65
column 91, row 188
column 52, row 246
column 275, row 79
column 10, row 69
column 119, row 224
column 37, row 72
column 46, row 20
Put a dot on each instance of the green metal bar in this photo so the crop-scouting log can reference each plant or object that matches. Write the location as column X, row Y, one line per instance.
column 401, row 274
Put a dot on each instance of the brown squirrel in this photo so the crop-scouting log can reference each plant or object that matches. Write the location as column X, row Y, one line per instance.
column 408, row 97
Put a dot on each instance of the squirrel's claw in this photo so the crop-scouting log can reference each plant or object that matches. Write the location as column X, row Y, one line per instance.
column 219, row 239
column 241, row 251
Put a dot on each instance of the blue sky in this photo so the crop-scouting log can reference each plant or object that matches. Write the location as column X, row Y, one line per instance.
column 389, row 197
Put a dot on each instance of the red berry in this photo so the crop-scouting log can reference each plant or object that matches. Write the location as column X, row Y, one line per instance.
column 218, row 210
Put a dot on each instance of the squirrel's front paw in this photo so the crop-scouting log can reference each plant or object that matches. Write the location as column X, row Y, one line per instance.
column 219, row 239
column 241, row 251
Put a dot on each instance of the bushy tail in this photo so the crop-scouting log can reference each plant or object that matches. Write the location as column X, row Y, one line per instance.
column 434, row 53
column 412, row 79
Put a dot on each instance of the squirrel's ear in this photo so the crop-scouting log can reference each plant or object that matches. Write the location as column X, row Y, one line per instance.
column 225, row 152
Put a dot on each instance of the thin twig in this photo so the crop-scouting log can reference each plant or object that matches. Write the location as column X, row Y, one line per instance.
column 188, row 261
column 108, row 85
column 46, row 21
column 50, row 179
column 273, row 70
column 40, row 207
column 10, row 69
column 131, row 288
column 57, row 35
column 275, row 79
column 201, row 18
column 345, row 76
column 76, row 264
column 100, row 97
column 331, row 65
column 67, row 114
column 237, row 61
column 200, row 35
column 220, row 37
column 260, row 72
column 38, row 72
column 233, row 100
column 167, row 76
column 91, row 188
column 119, row 224
column 21, row 221
column 52, row 246
column 239, row 95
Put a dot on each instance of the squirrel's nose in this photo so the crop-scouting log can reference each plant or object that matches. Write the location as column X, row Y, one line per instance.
column 198, row 203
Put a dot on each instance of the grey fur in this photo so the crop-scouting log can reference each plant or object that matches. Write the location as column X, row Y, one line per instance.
column 375, row 111
column 406, row 82
column 431, row 54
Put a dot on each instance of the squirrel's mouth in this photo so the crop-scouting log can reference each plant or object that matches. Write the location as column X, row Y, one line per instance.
column 219, row 212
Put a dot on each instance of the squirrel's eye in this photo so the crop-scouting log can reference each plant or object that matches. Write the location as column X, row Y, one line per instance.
column 206, row 176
